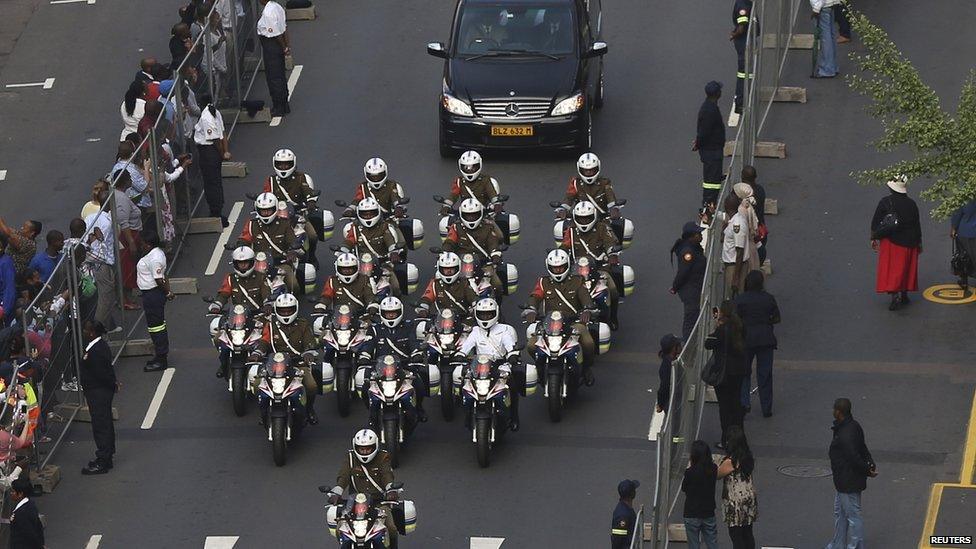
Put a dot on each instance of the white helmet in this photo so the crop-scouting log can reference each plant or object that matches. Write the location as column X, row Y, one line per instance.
column 368, row 212
column 375, row 172
column 365, row 445
column 266, row 207
column 346, row 267
column 470, row 165
column 471, row 212
column 284, row 163
column 486, row 312
column 588, row 167
column 584, row 215
column 286, row 308
column 391, row 311
column 448, row 267
column 240, row 255
column 557, row 263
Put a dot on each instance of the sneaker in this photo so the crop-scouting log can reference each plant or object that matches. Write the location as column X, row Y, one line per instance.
column 70, row 386
column 116, row 330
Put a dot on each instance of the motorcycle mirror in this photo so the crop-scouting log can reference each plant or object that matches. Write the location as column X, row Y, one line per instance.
column 405, row 200
column 251, row 196
column 341, row 203
column 555, row 204
column 325, row 489
column 502, row 247
column 230, row 246
column 316, row 193
column 396, row 485
column 435, row 249
column 207, row 299
column 616, row 249
column 502, row 198
column 438, row 198
column 621, row 202
column 335, row 247
column 524, row 306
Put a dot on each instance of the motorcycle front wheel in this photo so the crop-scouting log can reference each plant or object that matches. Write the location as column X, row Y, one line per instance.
column 237, row 385
column 447, row 397
column 482, row 435
column 279, row 430
column 343, row 391
column 391, row 437
column 555, row 399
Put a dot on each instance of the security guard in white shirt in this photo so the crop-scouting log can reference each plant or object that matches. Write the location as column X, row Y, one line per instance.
column 499, row 343
column 273, row 30
column 151, row 279
column 208, row 134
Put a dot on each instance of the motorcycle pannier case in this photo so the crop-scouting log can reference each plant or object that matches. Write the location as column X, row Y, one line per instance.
column 405, row 517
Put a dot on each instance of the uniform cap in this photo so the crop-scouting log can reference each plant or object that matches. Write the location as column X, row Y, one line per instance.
column 691, row 228
column 713, row 87
column 627, row 488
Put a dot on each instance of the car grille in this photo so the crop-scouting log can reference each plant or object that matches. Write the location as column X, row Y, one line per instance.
column 512, row 109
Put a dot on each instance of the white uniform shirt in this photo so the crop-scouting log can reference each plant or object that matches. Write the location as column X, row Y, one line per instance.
column 151, row 267
column 735, row 236
column 272, row 22
column 495, row 343
column 209, row 128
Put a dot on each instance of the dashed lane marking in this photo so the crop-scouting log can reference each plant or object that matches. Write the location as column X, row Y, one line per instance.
column 89, row 2
column 218, row 252
column 3, row 175
column 47, row 84
column 94, row 541
column 296, row 73
column 486, row 543
column 157, row 399
column 220, row 542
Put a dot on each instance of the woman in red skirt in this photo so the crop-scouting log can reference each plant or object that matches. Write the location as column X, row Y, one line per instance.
column 898, row 244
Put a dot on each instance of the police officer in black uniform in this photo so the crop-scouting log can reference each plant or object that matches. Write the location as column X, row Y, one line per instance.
column 691, row 274
column 741, row 13
column 624, row 517
column 710, row 143
column 395, row 336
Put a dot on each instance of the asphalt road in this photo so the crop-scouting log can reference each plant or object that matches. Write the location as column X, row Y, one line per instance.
column 368, row 88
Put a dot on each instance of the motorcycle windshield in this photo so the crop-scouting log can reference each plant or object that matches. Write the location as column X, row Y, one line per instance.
column 554, row 325
column 237, row 320
column 366, row 265
column 388, row 372
column 342, row 321
column 445, row 326
column 482, row 370
column 583, row 267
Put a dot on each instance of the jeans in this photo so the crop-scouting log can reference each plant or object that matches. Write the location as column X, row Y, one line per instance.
column 848, row 526
column 827, row 62
column 763, row 357
column 704, row 527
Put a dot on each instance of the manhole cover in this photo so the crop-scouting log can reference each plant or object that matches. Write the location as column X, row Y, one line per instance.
column 804, row 471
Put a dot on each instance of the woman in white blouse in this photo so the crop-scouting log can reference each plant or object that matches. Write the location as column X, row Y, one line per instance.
column 132, row 109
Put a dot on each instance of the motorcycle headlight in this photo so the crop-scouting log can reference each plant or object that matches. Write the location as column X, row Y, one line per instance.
column 389, row 388
column 454, row 105
column 278, row 385
column 237, row 337
column 554, row 343
column 482, row 386
column 569, row 105
column 343, row 338
column 446, row 340
column 360, row 528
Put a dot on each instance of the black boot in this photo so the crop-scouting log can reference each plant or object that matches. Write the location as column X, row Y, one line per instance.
column 614, row 324
column 895, row 302
column 513, row 422
column 421, row 413
column 904, row 298
column 310, row 415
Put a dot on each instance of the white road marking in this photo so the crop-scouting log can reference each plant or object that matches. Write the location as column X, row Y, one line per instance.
column 157, row 399
column 218, row 252
column 656, row 423
column 486, row 543
column 275, row 121
column 47, row 84
column 94, row 541
column 89, row 2
column 296, row 73
column 220, row 542
column 3, row 175
column 93, row 139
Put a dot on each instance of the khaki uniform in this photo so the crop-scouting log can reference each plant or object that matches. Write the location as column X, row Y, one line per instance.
column 296, row 191
column 275, row 239
column 482, row 242
column 600, row 193
column 293, row 340
column 388, row 195
column 358, row 295
column 379, row 240
column 371, row 479
column 251, row 291
column 574, row 291
column 481, row 188
column 594, row 244
column 458, row 296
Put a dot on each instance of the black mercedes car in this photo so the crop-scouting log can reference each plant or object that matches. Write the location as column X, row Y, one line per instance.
column 520, row 74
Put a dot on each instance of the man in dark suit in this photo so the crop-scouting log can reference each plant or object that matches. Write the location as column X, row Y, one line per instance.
column 26, row 530
column 99, row 383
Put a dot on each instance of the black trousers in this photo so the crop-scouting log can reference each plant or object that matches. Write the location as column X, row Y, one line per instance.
column 711, row 160
column 274, row 72
column 213, row 184
column 742, row 537
column 740, row 75
column 99, row 401
column 729, row 394
column 691, row 300
column 843, row 23
column 154, row 305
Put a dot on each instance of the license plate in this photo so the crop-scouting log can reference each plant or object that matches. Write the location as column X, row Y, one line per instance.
column 511, row 131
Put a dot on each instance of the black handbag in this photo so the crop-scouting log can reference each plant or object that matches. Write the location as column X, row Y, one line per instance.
column 888, row 223
column 714, row 371
column 960, row 264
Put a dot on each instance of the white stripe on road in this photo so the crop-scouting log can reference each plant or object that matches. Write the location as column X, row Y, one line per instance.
column 218, row 252
column 220, row 542
column 89, row 2
column 157, row 399
column 296, row 73
column 486, row 543
column 657, row 422
column 46, row 84
column 94, row 541
column 3, row 175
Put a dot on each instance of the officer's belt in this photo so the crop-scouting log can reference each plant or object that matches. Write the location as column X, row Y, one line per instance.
column 589, row 251
column 284, row 191
column 246, row 294
column 284, row 337
column 348, row 294
column 271, row 242
column 452, row 298
column 365, row 472
column 391, row 345
column 566, row 301
column 478, row 246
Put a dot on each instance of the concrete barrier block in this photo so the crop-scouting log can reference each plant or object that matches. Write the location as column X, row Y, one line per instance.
column 797, row 41
column 676, row 532
column 648, row 531
column 65, row 411
column 263, row 116
column 45, row 479
column 301, row 14
column 764, row 149
column 134, row 347
column 772, row 206
column 204, row 225
column 710, row 394
column 183, row 286
column 234, row 169
column 783, row 94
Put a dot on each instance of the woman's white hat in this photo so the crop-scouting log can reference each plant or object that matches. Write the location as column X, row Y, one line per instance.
column 899, row 184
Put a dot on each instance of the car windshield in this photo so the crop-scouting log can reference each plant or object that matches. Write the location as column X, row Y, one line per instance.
column 515, row 30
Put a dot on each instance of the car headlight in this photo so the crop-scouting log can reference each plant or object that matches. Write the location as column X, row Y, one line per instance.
column 569, row 105
column 454, row 105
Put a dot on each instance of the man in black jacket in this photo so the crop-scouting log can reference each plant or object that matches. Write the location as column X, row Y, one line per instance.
column 710, row 143
column 99, row 383
column 26, row 530
column 852, row 464
column 759, row 312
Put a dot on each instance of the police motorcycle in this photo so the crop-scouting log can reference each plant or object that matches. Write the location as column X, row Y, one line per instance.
column 235, row 334
column 392, row 403
column 495, row 212
column 475, row 271
column 281, row 398
column 343, row 336
column 410, row 228
column 322, row 219
column 486, row 395
column 591, row 271
column 371, row 267
column 440, row 341
column 621, row 226
column 305, row 272
column 408, row 276
column 359, row 522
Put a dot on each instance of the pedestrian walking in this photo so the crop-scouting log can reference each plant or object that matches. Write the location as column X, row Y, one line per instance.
column 896, row 234
column 843, row 17
column 273, row 30
column 749, row 175
column 151, row 275
column 26, row 528
column 698, row 485
column 101, row 257
column 728, row 353
column 740, row 506
column 963, row 233
column 741, row 14
column 208, row 134
column 710, row 143
column 735, row 246
column 851, row 464
column 759, row 312
column 690, row 277
column 624, row 517
column 670, row 349
column 823, row 12
column 99, row 384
